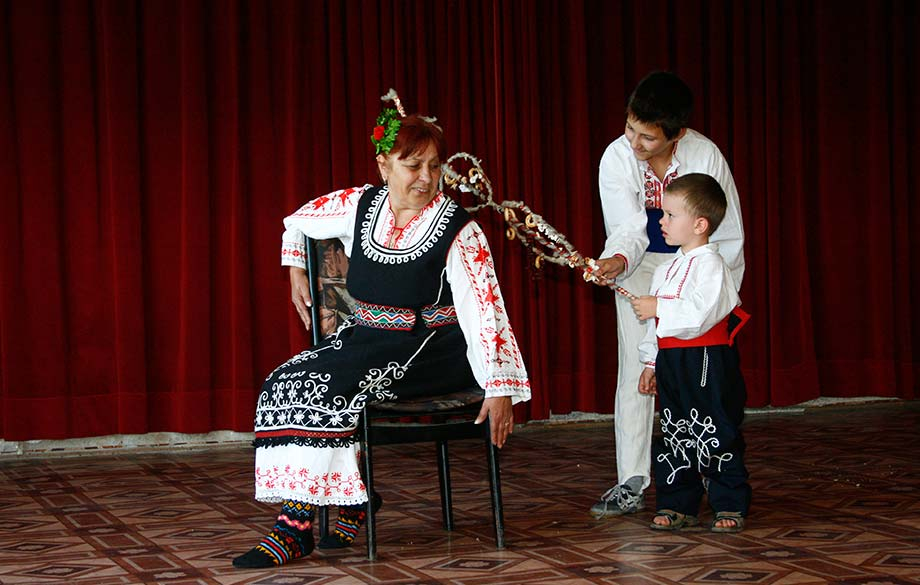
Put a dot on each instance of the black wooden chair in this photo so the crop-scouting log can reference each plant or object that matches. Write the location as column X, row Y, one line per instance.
column 438, row 419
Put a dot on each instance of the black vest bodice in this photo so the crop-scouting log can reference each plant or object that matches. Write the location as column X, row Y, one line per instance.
column 411, row 277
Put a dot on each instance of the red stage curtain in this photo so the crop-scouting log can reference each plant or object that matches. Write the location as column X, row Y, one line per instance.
column 149, row 150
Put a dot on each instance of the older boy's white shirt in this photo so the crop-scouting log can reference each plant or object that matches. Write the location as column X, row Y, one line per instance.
column 695, row 291
column 622, row 187
column 497, row 366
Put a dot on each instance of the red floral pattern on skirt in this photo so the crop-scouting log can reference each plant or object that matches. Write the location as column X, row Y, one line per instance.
column 327, row 485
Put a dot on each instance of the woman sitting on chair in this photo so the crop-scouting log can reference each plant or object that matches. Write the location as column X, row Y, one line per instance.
column 429, row 320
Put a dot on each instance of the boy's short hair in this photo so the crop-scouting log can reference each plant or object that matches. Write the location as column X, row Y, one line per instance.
column 662, row 99
column 703, row 197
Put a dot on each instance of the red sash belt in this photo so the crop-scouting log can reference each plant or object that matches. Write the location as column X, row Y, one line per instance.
column 718, row 335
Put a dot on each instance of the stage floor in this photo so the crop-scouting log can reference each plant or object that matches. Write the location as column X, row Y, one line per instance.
column 836, row 499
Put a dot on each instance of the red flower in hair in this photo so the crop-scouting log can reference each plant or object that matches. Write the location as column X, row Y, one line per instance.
column 385, row 131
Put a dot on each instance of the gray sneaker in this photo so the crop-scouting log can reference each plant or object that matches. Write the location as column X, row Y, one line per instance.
column 617, row 501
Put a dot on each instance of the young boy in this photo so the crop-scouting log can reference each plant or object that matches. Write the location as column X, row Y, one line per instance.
column 655, row 148
column 692, row 317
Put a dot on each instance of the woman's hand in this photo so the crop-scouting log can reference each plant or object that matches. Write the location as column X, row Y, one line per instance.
column 300, row 295
column 501, row 417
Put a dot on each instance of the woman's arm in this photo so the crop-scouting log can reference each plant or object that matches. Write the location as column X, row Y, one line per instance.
column 326, row 217
column 492, row 349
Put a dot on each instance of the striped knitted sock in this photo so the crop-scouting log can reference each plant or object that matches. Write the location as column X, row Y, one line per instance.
column 348, row 524
column 290, row 538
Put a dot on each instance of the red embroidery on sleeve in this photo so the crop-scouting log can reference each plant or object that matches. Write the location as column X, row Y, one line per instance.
column 478, row 263
column 335, row 204
column 490, row 296
column 482, row 255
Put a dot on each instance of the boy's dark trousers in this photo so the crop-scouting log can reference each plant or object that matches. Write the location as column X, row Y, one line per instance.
column 702, row 397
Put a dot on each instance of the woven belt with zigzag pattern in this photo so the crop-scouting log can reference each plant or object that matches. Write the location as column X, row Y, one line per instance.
column 402, row 319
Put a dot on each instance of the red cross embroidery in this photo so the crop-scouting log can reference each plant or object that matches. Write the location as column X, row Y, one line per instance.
column 482, row 255
column 490, row 295
column 499, row 341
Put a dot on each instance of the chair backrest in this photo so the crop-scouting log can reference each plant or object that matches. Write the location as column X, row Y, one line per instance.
column 327, row 269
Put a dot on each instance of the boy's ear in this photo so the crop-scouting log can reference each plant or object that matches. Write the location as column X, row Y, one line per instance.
column 700, row 226
column 681, row 134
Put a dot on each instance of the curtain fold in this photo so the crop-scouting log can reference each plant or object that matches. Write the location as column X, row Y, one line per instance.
column 149, row 151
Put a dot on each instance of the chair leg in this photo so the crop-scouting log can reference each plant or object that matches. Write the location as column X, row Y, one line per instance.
column 370, row 522
column 495, row 483
column 323, row 520
column 447, row 509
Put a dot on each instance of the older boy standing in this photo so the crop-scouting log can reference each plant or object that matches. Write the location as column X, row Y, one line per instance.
column 657, row 147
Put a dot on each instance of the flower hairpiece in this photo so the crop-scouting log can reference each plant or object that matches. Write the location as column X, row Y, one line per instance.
column 388, row 123
column 385, row 131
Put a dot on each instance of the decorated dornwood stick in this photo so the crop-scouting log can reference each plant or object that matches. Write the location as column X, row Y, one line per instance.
column 535, row 233
column 624, row 292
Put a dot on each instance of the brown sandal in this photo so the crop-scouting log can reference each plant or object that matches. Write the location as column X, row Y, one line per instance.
column 676, row 521
column 735, row 517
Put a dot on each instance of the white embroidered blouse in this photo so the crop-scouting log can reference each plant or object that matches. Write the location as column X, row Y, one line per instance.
column 492, row 349
column 695, row 292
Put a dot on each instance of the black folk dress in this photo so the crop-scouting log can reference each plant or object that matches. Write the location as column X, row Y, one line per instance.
column 402, row 341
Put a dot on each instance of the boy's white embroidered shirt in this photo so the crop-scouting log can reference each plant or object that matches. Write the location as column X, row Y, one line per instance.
column 695, row 291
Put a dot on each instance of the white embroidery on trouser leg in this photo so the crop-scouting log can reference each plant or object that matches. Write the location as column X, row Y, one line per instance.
column 696, row 431
column 677, row 460
column 705, row 367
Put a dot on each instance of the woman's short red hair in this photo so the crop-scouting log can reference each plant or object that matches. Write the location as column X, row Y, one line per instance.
column 415, row 134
